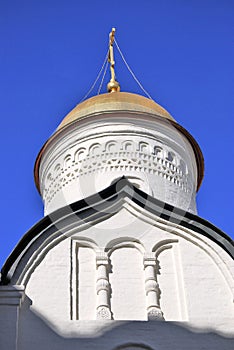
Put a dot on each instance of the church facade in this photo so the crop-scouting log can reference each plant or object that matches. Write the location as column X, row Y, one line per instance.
column 121, row 259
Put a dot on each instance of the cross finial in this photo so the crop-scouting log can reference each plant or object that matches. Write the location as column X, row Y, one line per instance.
column 113, row 85
column 112, row 36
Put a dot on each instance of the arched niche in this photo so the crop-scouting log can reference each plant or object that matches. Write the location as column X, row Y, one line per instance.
column 128, row 146
column 95, row 149
column 171, row 294
column 67, row 161
column 144, row 147
column 111, row 146
column 128, row 300
column 83, row 280
column 80, row 154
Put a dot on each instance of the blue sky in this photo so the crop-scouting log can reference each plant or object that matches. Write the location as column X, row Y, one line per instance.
column 50, row 53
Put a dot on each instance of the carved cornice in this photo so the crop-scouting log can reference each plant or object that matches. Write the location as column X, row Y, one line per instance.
column 115, row 155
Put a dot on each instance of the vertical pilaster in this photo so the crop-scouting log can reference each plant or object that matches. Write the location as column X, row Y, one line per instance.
column 152, row 289
column 10, row 302
column 103, row 287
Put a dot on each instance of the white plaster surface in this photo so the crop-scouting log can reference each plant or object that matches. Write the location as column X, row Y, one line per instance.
column 195, row 278
column 102, row 284
column 84, row 160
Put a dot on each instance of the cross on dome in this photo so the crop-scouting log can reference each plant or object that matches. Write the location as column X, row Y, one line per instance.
column 113, row 85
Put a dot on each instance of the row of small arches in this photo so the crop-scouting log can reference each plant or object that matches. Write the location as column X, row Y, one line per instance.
column 122, row 257
column 114, row 146
column 123, row 242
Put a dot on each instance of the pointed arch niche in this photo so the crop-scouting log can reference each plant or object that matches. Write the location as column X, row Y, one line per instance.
column 126, row 278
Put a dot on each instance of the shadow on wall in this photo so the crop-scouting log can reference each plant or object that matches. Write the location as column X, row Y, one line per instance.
column 36, row 333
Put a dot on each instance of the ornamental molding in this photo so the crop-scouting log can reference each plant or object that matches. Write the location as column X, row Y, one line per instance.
column 164, row 136
column 96, row 159
column 155, row 314
column 103, row 313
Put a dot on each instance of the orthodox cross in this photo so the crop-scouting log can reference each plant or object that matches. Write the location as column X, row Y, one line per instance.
column 113, row 85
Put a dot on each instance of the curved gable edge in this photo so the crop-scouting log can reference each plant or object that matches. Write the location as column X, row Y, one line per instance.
column 84, row 211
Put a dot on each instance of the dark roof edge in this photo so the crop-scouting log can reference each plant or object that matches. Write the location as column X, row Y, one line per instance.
column 121, row 188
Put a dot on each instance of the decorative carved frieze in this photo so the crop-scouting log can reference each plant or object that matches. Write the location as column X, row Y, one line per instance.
column 112, row 156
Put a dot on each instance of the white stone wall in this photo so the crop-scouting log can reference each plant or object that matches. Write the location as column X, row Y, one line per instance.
column 154, row 156
column 131, row 268
column 95, row 287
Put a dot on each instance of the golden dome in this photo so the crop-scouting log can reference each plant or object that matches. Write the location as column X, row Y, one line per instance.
column 119, row 102
column 116, row 101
